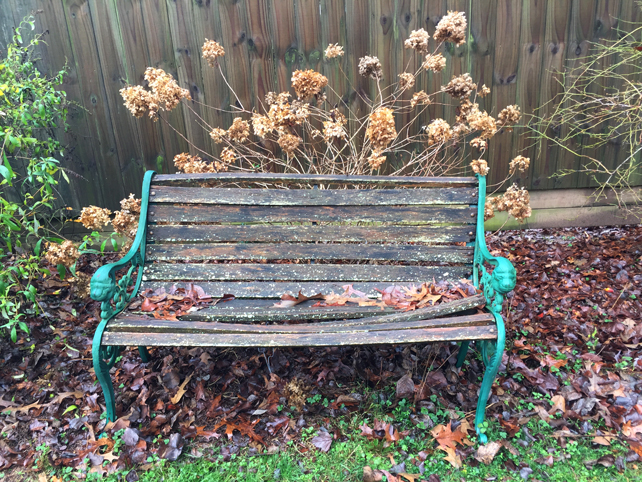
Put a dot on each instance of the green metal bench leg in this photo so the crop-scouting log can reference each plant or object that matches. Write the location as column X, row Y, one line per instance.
column 461, row 356
column 492, row 361
column 144, row 354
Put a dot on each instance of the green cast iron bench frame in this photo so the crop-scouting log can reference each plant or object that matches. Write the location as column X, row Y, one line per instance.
column 221, row 223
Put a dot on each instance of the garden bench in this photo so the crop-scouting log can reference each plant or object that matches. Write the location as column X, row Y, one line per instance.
column 226, row 233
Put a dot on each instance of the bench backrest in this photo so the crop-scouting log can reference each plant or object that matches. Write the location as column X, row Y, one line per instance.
column 231, row 234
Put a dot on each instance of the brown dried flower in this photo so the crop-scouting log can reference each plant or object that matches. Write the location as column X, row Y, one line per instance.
column 194, row 164
column 239, row 131
column 130, row 205
column 218, row 134
column 65, row 254
column 307, row 83
column 125, row 223
column 436, row 62
column 439, row 132
column 334, row 128
column 270, row 98
column 262, row 125
column 515, row 201
column 376, row 159
column 460, row 86
column 452, row 28
column 381, row 128
column 479, row 143
column 418, row 40
column 289, row 142
column 81, row 283
column 334, row 50
column 484, row 91
column 94, row 218
column 406, row 80
column 370, row 67
column 509, row 116
column 211, row 51
column 139, row 101
column 419, row 98
column 489, row 211
column 482, row 121
column 480, row 166
column 228, row 156
column 520, row 163
column 165, row 89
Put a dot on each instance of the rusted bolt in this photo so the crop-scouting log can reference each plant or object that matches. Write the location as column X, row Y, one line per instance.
column 472, row 215
column 153, row 193
column 469, row 234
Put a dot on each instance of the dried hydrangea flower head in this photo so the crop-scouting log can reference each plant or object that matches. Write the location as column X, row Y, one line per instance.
column 211, row 51
column 370, row 67
column 418, row 40
column 194, row 164
column 376, row 159
column 520, row 163
column 289, row 143
column 228, row 155
column 484, row 91
column 282, row 114
column 451, row 28
column 406, row 81
column 480, row 121
column 381, row 129
column 479, row 143
column 333, row 51
column 307, row 83
column 270, row 98
column 439, row 132
column 333, row 129
column 460, row 86
column 489, row 210
column 419, row 98
column 516, row 201
column 218, row 135
column 436, row 62
column 130, row 205
column 138, row 101
column 509, row 116
column 166, row 91
column 480, row 166
column 262, row 125
column 94, row 218
column 65, row 254
column 125, row 223
column 239, row 131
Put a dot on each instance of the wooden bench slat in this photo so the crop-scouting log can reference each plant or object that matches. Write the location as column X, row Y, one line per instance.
column 151, row 325
column 301, row 272
column 199, row 213
column 313, row 197
column 287, row 251
column 307, row 233
column 482, row 332
column 240, row 177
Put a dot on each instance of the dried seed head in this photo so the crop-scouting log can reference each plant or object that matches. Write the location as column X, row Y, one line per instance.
column 228, row 156
column 376, row 159
column 439, row 132
column 218, row 135
column 509, row 116
column 211, row 51
column 130, row 205
column 334, row 50
column 94, row 218
column 262, row 125
column 436, row 62
column 481, row 121
column 480, row 166
column 370, row 67
column 489, row 211
column 239, row 131
column 452, row 28
column 194, row 164
column 484, row 91
column 520, row 163
column 334, row 128
column 515, row 201
column 406, row 81
column 307, row 83
column 289, row 142
column 479, row 143
column 381, row 128
column 460, row 86
column 125, row 223
column 419, row 98
column 418, row 40
column 139, row 101
column 270, row 98
column 65, row 254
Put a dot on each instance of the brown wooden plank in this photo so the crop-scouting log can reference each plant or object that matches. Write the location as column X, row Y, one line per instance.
column 272, row 289
column 138, row 324
column 307, row 233
column 313, row 197
column 202, row 213
column 484, row 332
column 176, row 179
column 255, row 251
column 300, row 272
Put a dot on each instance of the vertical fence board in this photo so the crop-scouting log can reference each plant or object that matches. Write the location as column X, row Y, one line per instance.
column 261, row 47
column 333, row 31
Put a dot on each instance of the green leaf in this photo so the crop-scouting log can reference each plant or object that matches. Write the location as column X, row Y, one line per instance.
column 36, row 250
column 103, row 245
column 114, row 244
column 62, row 271
column 69, row 409
column 23, row 326
column 64, row 175
column 14, row 334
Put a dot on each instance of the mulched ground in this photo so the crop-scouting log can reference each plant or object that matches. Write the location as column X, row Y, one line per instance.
column 574, row 350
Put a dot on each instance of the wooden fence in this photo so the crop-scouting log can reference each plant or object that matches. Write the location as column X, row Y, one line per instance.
column 513, row 47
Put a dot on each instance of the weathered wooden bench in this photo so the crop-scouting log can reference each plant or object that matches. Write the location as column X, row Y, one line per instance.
column 387, row 230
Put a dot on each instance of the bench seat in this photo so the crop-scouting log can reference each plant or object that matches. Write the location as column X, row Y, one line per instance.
column 259, row 236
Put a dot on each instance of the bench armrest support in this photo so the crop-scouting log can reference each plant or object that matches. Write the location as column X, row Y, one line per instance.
column 503, row 278
column 114, row 295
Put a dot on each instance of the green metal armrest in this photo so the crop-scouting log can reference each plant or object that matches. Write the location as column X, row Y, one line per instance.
column 114, row 297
